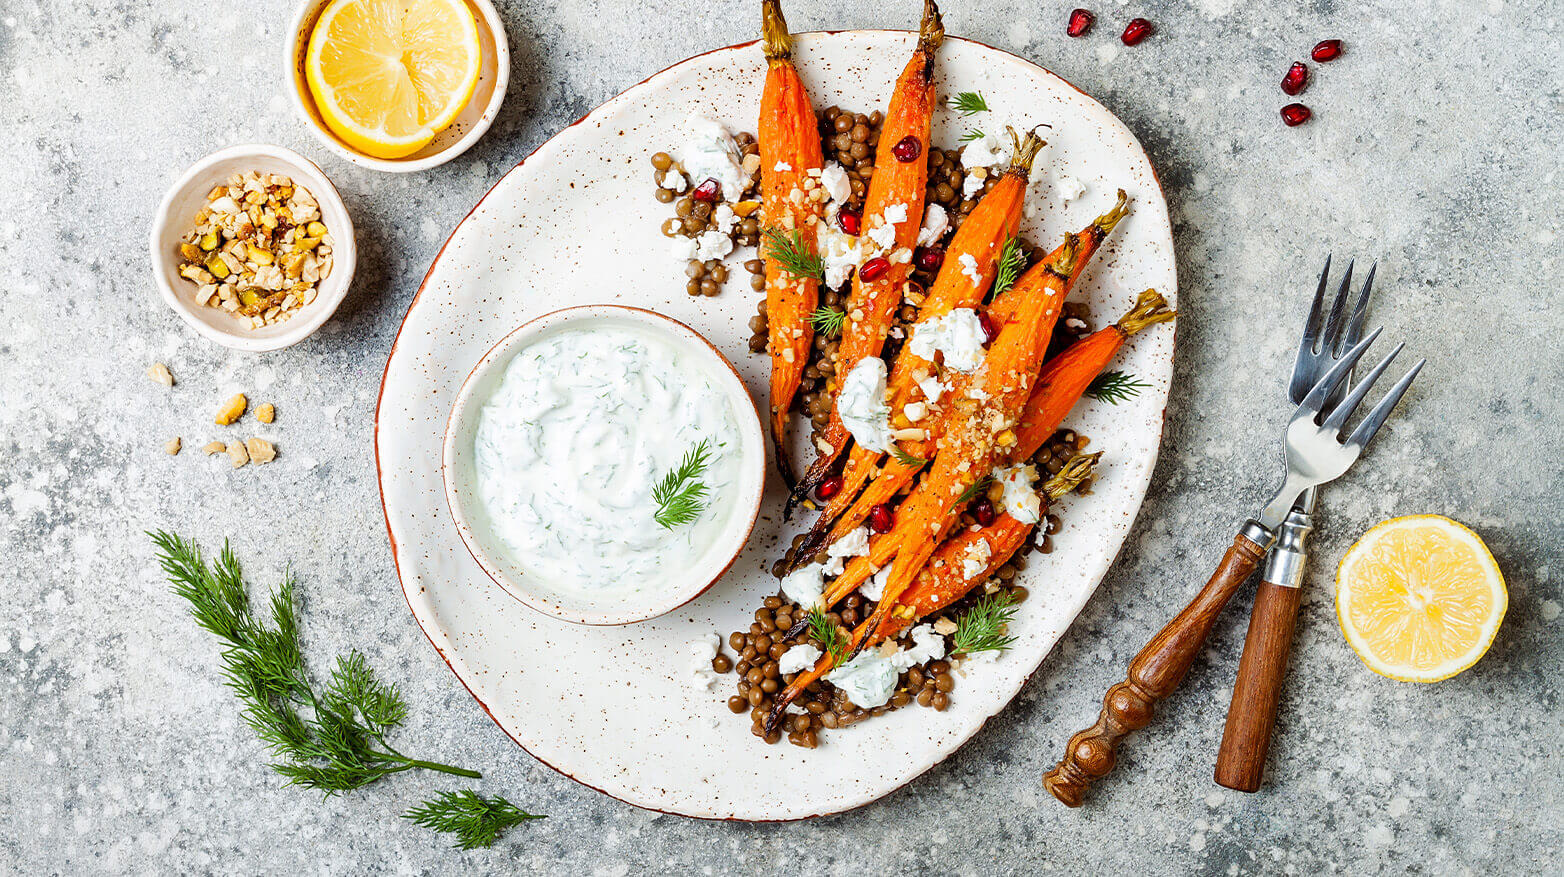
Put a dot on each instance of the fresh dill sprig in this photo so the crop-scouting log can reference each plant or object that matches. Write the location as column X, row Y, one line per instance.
column 975, row 490
column 972, row 136
column 1012, row 261
column 905, row 458
column 969, row 103
column 789, row 251
column 823, row 629
column 477, row 821
column 328, row 738
column 681, row 495
column 982, row 628
column 828, row 320
column 1115, row 386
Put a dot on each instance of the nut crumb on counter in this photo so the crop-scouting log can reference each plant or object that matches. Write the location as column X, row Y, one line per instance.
column 172, row 446
column 260, row 450
column 214, row 448
column 237, row 454
column 232, row 410
column 160, row 373
column 266, row 413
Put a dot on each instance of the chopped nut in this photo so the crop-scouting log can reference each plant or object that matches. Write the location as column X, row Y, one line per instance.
column 261, row 450
column 266, row 413
column 214, row 448
column 237, row 454
column 160, row 373
column 944, row 626
column 172, row 446
column 232, row 410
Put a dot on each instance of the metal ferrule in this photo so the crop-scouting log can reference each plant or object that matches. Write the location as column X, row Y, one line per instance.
column 1284, row 566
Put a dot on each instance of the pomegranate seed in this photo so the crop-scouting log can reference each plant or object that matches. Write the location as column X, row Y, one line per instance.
column 707, row 191
column 829, row 487
column 1326, row 50
column 1137, row 30
column 874, row 269
column 929, row 258
column 1295, row 115
column 1081, row 21
column 881, row 519
column 850, row 220
column 1297, row 78
column 983, row 511
column 990, row 330
column 907, row 149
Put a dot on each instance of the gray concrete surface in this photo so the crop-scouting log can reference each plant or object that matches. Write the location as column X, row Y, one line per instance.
column 1434, row 148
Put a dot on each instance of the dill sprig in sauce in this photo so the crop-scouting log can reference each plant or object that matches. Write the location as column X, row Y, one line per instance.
column 681, row 495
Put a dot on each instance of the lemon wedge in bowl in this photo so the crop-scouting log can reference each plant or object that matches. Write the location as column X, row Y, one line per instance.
column 389, row 75
column 1420, row 598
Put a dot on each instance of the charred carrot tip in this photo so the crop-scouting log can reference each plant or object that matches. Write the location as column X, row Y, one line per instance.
column 932, row 30
column 1063, row 264
column 1080, row 468
column 1106, row 222
column 1150, row 308
column 1024, row 151
column 778, row 43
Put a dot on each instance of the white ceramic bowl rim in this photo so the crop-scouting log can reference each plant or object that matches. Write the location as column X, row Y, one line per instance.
column 455, row 461
column 334, row 213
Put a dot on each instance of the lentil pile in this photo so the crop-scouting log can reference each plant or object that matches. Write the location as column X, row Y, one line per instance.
column 758, row 649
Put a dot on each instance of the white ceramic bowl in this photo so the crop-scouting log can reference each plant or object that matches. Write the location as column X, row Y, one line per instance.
column 461, row 481
column 188, row 194
column 476, row 117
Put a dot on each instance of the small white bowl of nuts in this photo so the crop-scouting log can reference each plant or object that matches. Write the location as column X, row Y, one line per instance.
column 253, row 247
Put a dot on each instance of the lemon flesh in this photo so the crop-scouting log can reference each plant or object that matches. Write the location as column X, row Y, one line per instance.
column 389, row 75
column 1420, row 598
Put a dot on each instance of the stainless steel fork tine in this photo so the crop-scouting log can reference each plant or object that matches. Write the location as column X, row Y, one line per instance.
column 1315, row 401
column 1335, row 325
column 1314, row 325
column 1343, row 410
column 1376, row 418
column 1355, row 323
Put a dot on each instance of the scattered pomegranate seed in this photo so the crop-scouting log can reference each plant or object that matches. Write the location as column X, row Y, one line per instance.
column 1326, row 50
column 929, row 258
column 907, row 149
column 881, row 519
column 850, row 220
column 829, row 487
column 1295, row 115
column 990, row 329
column 1137, row 30
column 983, row 511
column 874, row 269
column 1081, row 21
column 707, row 191
column 1297, row 78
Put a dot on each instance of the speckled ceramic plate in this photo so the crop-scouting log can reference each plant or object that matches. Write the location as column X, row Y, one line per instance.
column 575, row 223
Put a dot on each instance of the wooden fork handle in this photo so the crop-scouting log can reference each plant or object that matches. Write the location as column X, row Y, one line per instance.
column 1154, row 673
column 1241, row 761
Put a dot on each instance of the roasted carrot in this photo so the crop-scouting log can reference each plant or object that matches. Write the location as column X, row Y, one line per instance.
column 971, row 263
column 899, row 186
column 789, row 152
column 896, row 474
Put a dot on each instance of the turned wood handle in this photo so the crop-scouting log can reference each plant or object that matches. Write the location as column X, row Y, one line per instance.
column 1153, row 674
column 1241, row 760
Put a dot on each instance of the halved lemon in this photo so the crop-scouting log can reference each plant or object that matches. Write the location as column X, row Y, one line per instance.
column 390, row 75
column 1420, row 598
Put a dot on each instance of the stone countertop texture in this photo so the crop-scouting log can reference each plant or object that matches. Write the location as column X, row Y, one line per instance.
column 1434, row 148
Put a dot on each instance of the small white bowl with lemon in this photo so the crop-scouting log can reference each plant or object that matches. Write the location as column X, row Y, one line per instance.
column 398, row 85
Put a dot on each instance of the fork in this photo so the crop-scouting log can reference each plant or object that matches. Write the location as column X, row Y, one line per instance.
column 1315, row 454
column 1251, row 717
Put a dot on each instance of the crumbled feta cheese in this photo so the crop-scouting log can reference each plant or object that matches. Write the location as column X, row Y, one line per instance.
column 986, row 151
column 927, row 645
column 932, row 388
column 975, row 559
column 915, row 411
column 798, row 658
column 1020, row 500
column 884, row 236
column 969, row 269
column 682, row 248
column 970, row 186
column 935, row 223
column 895, row 213
column 723, row 218
column 710, row 153
column 854, row 544
column 862, row 407
column 958, row 336
column 702, row 650
column 874, row 588
column 712, row 245
column 833, row 177
column 805, row 585
column 1069, row 188
column 782, row 167
column 839, row 254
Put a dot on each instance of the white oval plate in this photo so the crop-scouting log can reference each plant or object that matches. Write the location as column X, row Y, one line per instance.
column 576, row 223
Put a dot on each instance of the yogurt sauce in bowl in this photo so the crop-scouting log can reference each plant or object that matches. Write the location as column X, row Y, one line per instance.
column 571, row 447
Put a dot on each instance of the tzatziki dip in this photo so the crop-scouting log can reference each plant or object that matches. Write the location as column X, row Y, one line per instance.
column 572, row 446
